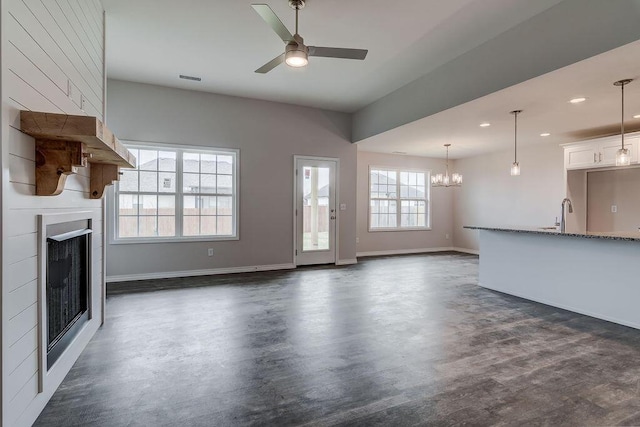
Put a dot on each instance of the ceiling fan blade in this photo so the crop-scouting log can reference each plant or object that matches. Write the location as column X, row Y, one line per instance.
column 273, row 21
column 338, row 52
column 271, row 64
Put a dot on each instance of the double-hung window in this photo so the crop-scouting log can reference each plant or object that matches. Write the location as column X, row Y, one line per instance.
column 398, row 199
column 178, row 194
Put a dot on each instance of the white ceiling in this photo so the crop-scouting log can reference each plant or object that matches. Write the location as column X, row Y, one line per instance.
column 224, row 41
column 544, row 101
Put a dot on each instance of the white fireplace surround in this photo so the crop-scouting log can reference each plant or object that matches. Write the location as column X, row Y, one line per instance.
column 50, row 379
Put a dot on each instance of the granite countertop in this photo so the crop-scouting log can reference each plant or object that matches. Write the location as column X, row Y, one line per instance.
column 555, row 231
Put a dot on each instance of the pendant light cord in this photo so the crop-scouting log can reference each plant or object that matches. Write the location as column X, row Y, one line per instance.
column 515, row 139
column 297, row 10
column 622, row 118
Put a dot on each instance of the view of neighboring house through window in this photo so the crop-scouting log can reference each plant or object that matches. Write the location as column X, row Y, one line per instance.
column 178, row 193
column 398, row 199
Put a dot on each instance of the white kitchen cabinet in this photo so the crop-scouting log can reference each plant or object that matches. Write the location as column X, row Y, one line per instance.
column 600, row 152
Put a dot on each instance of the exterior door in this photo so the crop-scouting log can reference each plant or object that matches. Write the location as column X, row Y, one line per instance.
column 315, row 211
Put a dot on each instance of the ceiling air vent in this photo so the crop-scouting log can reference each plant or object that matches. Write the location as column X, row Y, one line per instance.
column 195, row 79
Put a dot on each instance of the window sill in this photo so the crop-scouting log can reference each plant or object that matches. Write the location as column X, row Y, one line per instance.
column 400, row 229
column 138, row 241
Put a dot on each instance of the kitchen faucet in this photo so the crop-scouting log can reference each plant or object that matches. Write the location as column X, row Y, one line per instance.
column 563, row 220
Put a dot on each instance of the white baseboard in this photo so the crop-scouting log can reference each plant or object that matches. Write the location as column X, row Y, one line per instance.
column 467, row 251
column 191, row 273
column 416, row 251
column 347, row 261
column 403, row 252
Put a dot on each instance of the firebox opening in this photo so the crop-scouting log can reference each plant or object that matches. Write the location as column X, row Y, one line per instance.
column 68, row 278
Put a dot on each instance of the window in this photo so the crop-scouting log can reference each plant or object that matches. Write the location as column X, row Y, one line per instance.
column 178, row 194
column 398, row 199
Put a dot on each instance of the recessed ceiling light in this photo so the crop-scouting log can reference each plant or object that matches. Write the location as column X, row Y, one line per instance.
column 545, row 134
column 637, row 116
column 485, row 125
column 577, row 100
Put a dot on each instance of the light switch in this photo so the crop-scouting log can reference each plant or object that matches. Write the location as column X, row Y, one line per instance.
column 343, row 206
column 614, row 208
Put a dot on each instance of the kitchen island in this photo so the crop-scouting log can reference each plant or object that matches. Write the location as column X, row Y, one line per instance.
column 596, row 274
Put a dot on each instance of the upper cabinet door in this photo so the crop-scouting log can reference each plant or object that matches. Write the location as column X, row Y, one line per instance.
column 581, row 156
column 610, row 148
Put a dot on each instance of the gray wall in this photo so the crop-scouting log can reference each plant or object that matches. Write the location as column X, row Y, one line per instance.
column 564, row 34
column 490, row 196
column 267, row 134
column 613, row 187
column 404, row 241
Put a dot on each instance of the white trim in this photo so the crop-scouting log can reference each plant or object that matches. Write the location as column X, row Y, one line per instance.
column 336, row 190
column 347, row 261
column 55, row 374
column 404, row 251
column 566, row 307
column 179, row 149
column 467, row 251
column 399, row 199
column 193, row 273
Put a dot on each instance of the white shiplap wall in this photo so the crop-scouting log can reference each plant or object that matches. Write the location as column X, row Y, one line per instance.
column 53, row 61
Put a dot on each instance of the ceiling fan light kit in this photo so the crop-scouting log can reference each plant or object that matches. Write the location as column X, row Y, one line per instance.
column 296, row 53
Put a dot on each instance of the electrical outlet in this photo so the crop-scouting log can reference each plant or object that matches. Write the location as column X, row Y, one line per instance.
column 614, row 208
column 446, row 236
column 343, row 206
column 210, row 252
column 357, row 240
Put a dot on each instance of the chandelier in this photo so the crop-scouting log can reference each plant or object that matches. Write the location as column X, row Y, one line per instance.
column 439, row 180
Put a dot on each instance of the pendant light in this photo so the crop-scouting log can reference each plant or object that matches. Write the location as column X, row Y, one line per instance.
column 439, row 180
column 623, row 157
column 515, row 167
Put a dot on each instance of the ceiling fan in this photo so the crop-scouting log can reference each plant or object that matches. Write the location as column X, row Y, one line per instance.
column 296, row 53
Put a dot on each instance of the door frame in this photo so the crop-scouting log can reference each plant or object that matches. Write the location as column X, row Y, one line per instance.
column 295, row 204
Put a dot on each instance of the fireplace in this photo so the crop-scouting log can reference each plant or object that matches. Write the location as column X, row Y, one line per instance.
column 67, row 289
column 65, row 286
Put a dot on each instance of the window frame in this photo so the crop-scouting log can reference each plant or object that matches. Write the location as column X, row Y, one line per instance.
column 179, row 149
column 398, row 199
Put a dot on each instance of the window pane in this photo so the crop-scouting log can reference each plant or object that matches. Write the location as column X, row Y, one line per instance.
column 208, row 225
column 148, row 205
column 166, row 226
column 208, row 163
column 225, row 205
column 191, row 205
column 128, row 180
column 225, row 184
column 167, row 182
column 148, row 160
column 128, row 204
column 167, row 161
column 148, row 226
column 374, row 176
column 190, row 162
column 208, row 205
column 225, row 165
column 191, row 225
column 148, row 182
column 208, row 184
column 225, row 226
column 191, row 183
column 166, row 205
column 128, row 226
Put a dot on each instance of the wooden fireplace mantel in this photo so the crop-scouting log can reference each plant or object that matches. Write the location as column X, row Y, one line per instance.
column 64, row 143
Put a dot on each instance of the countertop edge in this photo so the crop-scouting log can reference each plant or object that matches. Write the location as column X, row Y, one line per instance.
column 557, row 233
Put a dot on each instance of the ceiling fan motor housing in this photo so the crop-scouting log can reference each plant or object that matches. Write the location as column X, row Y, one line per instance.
column 297, row 4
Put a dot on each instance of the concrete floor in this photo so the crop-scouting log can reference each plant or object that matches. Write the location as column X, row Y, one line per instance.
column 408, row 340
